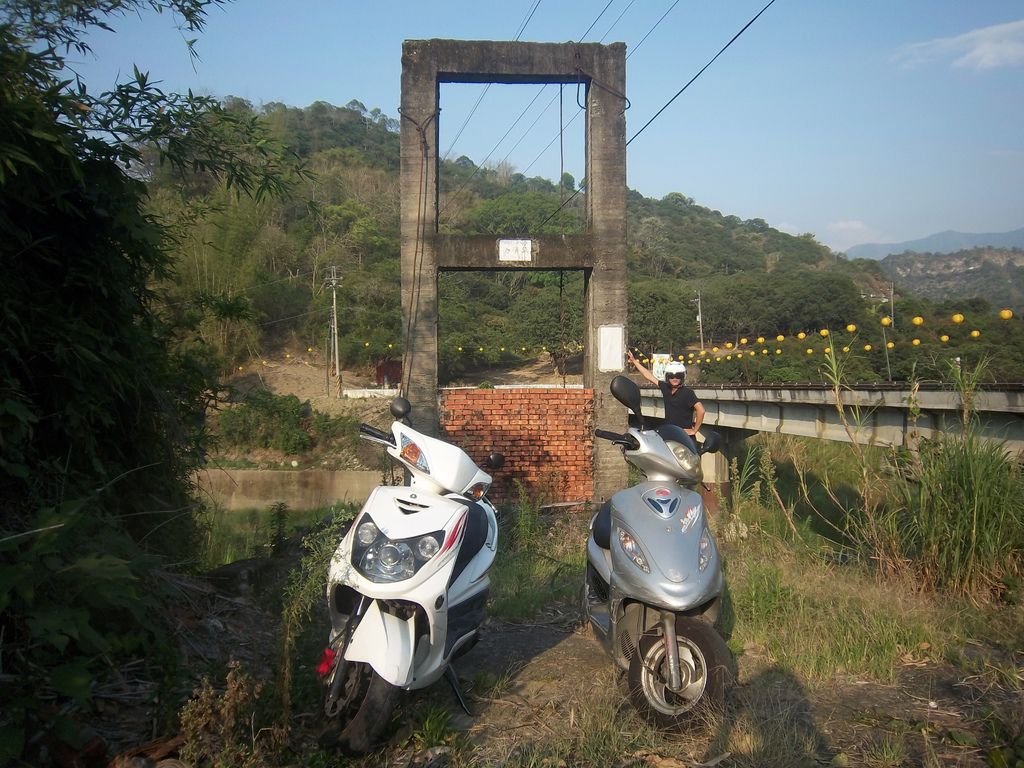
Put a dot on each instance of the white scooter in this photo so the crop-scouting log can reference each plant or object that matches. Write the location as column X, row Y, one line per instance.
column 654, row 583
column 407, row 586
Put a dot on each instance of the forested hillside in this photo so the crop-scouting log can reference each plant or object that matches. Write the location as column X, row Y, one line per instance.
column 249, row 274
column 996, row 274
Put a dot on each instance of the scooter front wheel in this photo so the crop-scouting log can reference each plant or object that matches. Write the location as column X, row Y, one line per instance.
column 706, row 670
column 364, row 710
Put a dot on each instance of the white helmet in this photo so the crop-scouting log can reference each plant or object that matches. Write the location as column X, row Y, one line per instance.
column 675, row 368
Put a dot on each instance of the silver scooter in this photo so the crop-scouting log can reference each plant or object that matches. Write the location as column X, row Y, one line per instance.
column 653, row 589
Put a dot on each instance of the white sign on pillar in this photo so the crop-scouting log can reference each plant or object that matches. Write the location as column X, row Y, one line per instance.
column 515, row 250
column 611, row 348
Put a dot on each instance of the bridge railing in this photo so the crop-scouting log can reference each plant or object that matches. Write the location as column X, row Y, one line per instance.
column 874, row 415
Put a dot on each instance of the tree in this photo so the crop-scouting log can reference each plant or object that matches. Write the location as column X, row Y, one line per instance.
column 100, row 409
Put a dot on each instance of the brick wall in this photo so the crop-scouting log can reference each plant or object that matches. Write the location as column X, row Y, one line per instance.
column 546, row 435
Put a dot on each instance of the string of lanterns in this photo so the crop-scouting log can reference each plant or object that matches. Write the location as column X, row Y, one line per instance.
column 733, row 350
column 737, row 350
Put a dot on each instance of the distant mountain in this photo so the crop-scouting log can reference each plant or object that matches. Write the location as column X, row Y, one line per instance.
column 943, row 242
column 996, row 275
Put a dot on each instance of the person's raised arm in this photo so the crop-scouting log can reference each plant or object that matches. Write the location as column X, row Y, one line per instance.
column 641, row 368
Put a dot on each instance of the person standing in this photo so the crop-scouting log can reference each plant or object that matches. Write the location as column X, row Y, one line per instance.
column 682, row 407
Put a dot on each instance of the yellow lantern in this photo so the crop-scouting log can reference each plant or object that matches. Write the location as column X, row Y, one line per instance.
column 780, row 337
column 846, row 350
column 778, row 351
column 801, row 335
column 459, row 349
column 760, row 339
column 309, row 349
column 728, row 345
column 679, row 358
column 851, row 328
column 943, row 338
column 743, row 340
column 890, row 345
column 751, row 353
column 810, row 351
column 958, row 318
column 916, row 342
column 714, row 349
column 764, row 351
column 975, row 334
column 366, row 343
column 827, row 350
column 728, row 357
column 917, row 320
column 823, row 333
column 867, row 347
column 1005, row 314
column 886, row 321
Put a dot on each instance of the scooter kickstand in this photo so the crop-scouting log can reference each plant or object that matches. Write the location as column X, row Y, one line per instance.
column 453, row 680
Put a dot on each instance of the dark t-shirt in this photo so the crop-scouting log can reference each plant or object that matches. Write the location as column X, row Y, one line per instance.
column 678, row 407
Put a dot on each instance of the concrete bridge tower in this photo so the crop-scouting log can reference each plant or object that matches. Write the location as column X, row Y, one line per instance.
column 600, row 253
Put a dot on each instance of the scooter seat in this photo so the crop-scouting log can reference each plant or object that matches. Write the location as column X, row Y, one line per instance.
column 602, row 527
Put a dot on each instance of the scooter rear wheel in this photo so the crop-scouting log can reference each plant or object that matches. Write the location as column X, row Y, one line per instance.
column 706, row 669
column 364, row 712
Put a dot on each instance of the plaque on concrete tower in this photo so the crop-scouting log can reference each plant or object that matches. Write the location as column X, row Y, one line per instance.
column 515, row 250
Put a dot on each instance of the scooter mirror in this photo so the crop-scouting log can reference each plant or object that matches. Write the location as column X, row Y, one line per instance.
column 400, row 407
column 495, row 461
column 626, row 392
column 712, row 442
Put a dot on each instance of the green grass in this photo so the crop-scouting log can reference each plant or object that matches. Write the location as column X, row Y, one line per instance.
column 541, row 560
column 239, row 534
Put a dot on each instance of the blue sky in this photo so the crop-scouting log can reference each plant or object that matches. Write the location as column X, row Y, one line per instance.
column 855, row 120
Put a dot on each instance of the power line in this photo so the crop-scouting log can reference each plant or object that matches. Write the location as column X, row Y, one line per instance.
column 465, row 123
column 733, row 40
column 636, row 47
column 692, row 79
column 529, row 16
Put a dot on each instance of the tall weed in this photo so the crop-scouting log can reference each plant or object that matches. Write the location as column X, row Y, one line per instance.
column 952, row 515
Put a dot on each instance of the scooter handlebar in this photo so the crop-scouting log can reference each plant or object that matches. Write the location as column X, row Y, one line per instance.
column 626, row 440
column 378, row 435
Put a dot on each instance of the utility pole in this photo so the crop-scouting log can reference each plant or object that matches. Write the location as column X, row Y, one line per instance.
column 333, row 280
column 700, row 321
column 892, row 304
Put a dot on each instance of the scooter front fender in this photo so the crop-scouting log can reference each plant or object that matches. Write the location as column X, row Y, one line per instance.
column 386, row 643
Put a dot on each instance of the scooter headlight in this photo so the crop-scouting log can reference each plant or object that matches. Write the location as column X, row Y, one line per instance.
column 704, row 550
column 367, row 533
column 633, row 552
column 383, row 560
column 689, row 460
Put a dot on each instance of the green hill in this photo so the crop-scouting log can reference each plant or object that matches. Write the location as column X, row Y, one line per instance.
column 249, row 274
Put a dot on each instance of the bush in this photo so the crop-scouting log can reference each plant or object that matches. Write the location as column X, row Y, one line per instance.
column 266, row 420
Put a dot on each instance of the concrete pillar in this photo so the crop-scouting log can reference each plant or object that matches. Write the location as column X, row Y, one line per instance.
column 600, row 254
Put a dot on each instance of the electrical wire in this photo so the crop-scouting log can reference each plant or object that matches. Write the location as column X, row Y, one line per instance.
column 658, row 113
column 692, row 79
column 469, row 117
column 447, row 154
